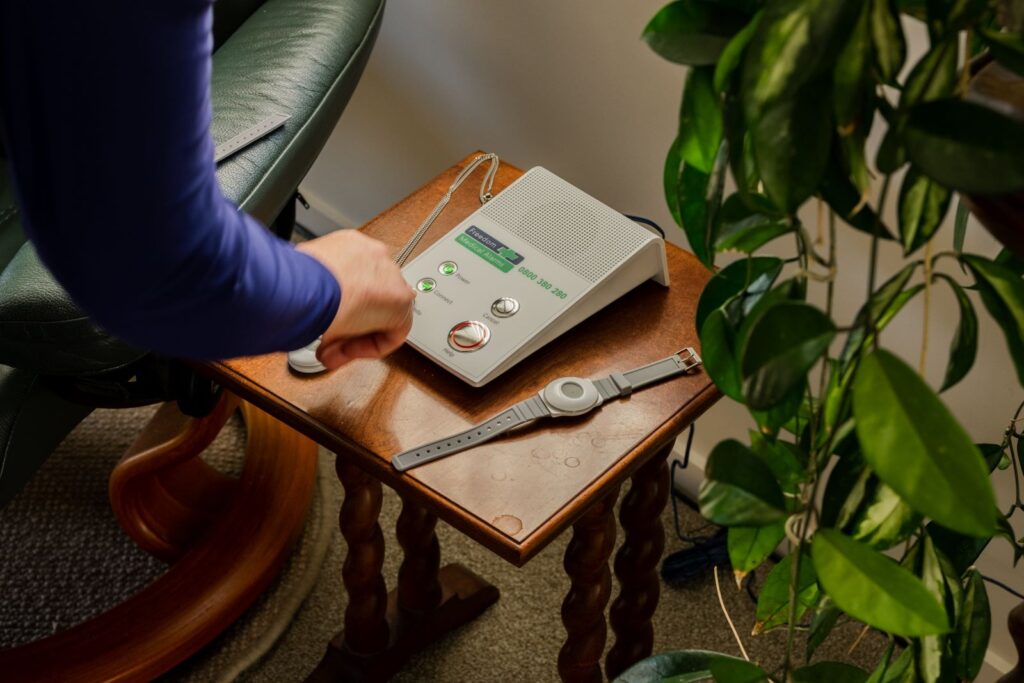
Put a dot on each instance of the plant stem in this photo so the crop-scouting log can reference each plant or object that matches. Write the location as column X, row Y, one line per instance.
column 732, row 626
column 965, row 72
column 873, row 264
column 1011, row 431
column 927, row 308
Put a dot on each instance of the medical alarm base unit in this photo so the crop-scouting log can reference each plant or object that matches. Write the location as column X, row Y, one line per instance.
column 530, row 264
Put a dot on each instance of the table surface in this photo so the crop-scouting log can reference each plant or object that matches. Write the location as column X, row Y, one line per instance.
column 518, row 492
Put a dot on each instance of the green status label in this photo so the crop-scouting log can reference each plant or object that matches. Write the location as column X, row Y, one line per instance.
column 483, row 252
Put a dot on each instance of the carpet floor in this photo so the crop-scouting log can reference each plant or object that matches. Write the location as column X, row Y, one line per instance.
column 516, row 640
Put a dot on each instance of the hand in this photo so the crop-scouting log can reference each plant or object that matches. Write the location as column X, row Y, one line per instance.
column 375, row 314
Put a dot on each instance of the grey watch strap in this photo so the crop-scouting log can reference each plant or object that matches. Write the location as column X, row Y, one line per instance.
column 518, row 414
column 625, row 383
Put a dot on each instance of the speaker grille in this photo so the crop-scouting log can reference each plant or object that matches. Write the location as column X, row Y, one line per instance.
column 590, row 238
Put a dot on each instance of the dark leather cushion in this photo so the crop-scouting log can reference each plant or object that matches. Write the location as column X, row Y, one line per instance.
column 42, row 330
column 301, row 57
column 11, row 236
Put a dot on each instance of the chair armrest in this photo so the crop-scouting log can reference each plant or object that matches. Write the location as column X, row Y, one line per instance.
column 297, row 57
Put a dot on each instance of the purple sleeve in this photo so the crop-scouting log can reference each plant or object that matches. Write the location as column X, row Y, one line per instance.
column 106, row 114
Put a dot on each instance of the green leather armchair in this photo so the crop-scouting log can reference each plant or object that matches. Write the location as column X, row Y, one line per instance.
column 300, row 57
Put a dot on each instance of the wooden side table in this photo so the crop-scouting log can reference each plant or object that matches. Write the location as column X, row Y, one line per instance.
column 513, row 495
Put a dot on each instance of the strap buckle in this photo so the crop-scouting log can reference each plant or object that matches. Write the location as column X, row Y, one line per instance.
column 689, row 358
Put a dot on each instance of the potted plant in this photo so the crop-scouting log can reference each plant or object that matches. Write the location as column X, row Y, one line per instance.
column 884, row 499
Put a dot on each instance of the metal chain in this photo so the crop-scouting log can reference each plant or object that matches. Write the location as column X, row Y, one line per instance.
column 485, row 196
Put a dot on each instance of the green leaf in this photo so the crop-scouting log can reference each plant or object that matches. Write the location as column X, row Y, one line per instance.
column 1006, row 258
column 967, row 147
column 750, row 546
column 787, row 66
column 902, row 670
column 732, row 55
column 879, row 310
column 796, row 42
column 1007, row 48
column 692, row 31
column 847, row 485
column 792, row 289
column 960, row 225
column 737, row 671
column 782, row 460
column 773, row 602
column 915, row 445
column 825, row 618
column 923, row 205
column 783, row 346
column 956, row 15
column 883, row 519
column 700, row 121
column 930, row 648
column 791, row 142
column 869, row 586
column 890, row 47
column 833, row 672
column 851, row 151
column 780, row 415
column 718, row 351
column 671, row 177
column 973, row 629
column 878, row 675
column 1002, row 292
column 754, row 276
column 851, row 83
column 739, row 489
column 741, row 154
column 746, row 229
column 962, row 551
column 891, row 153
column 933, row 77
column 682, row 666
column 694, row 186
column 964, row 347
column 844, row 198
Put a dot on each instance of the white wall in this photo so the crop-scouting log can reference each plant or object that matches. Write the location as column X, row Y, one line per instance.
column 569, row 85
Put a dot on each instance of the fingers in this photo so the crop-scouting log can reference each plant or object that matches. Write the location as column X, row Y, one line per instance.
column 332, row 355
column 376, row 345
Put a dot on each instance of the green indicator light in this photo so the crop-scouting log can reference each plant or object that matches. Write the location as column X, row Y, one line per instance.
column 448, row 268
column 426, row 284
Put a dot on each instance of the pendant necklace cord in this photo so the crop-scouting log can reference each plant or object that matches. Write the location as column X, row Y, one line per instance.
column 485, row 196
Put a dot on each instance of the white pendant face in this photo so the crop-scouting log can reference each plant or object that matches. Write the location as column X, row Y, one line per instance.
column 304, row 360
column 571, row 395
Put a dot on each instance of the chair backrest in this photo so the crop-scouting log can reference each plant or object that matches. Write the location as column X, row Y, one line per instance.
column 228, row 15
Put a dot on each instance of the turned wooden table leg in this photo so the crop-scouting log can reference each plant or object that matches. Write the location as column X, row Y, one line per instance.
column 419, row 589
column 383, row 630
column 366, row 626
column 636, row 565
column 586, row 563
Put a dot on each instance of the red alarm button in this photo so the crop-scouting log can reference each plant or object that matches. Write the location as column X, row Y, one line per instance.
column 469, row 336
